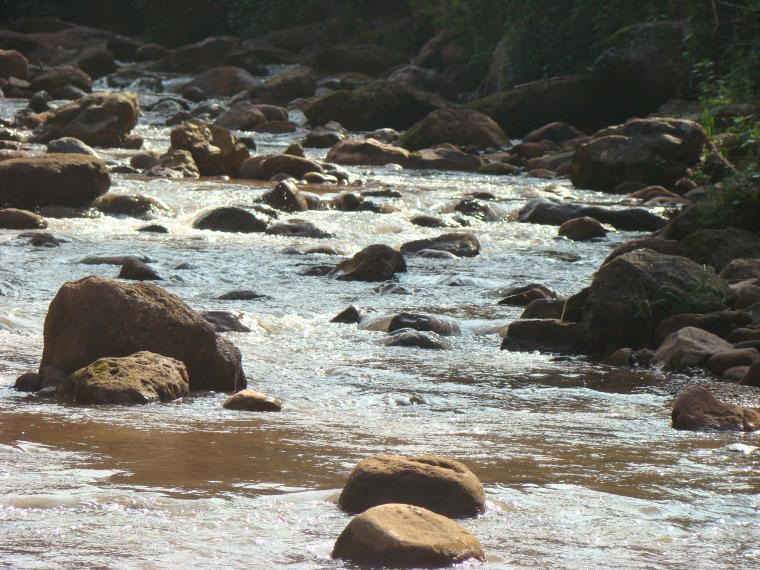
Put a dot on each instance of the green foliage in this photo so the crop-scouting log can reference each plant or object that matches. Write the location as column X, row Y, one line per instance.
column 732, row 203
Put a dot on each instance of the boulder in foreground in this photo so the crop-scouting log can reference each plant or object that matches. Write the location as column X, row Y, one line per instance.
column 94, row 317
column 405, row 536
column 141, row 378
column 439, row 484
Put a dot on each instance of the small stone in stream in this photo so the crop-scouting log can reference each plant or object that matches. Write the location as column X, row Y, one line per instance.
column 178, row 119
column 251, row 401
column 295, row 149
column 424, row 323
column 70, row 145
column 229, row 219
column 28, row 382
column 384, row 193
column 752, row 376
column 475, row 209
column 428, row 221
column 435, row 254
column 194, row 94
column 546, row 335
column 182, row 266
column 525, row 295
column 349, row 315
column 458, row 243
column 266, row 210
column 391, row 288
column 15, row 219
column 322, row 250
column 318, row 270
column 543, row 308
column 582, row 229
column 696, row 408
column 124, row 169
column 241, row 295
column 224, row 321
column 285, row 197
column 403, row 536
column 153, row 229
column 138, row 271
column 416, row 339
column 40, row 102
column 326, row 136
column 622, row 357
column 319, row 178
column 297, row 228
column 377, row 262
column 41, row 239
column 113, row 259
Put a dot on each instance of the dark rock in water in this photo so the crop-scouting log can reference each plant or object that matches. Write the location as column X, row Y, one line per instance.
column 297, row 228
column 459, row 126
column 752, row 378
column 526, row 294
column 325, row 136
column 633, row 293
column 224, row 321
column 241, row 295
column 154, row 228
column 404, row 536
column 95, row 317
column 182, row 266
column 140, row 378
column 420, row 322
column 138, row 206
column 696, row 408
column 444, row 486
column 113, row 259
column 285, row 197
column 435, row 254
column 69, row 145
column 229, row 219
column 550, row 335
column 349, row 315
column 215, row 150
column 252, row 401
column 138, row 271
column 40, row 102
column 28, row 382
column 318, row 270
column 416, row 339
column 14, row 219
column 541, row 211
column 459, row 244
column 582, row 229
column 51, row 377
column 428, row 221
column 722, row 361
column 391, row 288
column 41, row 239
column 474, row 208
column 543, row 308
column 376, row 262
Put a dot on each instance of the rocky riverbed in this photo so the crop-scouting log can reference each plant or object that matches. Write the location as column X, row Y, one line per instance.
column 205, row 193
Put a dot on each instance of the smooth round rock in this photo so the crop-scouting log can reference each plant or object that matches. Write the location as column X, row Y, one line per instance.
column 252, row 401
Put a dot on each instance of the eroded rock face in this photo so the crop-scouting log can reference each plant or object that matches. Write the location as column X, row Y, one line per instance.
column 632, row 293
column 405, row 536
column 72, row 180
column 93, row 317
column 376, row 262
column 439, row 484
column 215, row 150
column 457, row 126
column 140, row 378
column 100, row 120
column 653, row 151
column 697, row 409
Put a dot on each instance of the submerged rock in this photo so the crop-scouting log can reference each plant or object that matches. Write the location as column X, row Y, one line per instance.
column 141, row 378
column 420, row 322
column 416, row 339
column 252, row 401
column 229, row 219
column 405, row 536
column 458, row 243
column 440, row 484
column 137, row 270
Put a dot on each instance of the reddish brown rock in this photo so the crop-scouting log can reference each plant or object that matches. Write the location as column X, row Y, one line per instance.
column 697, row 409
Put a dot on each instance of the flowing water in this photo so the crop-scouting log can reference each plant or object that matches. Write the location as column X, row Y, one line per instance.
column 579, row 462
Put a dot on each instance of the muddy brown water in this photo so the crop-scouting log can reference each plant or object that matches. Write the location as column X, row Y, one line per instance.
column 580, row 464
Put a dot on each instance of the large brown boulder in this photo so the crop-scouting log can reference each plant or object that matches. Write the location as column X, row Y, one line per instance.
column 94, row 317
column 378, row 105
column 652, row 151
column 632, row 293
column 224, row 81
column 367, row 152
column 140, row 378
column 689, row 347
column 376, row 262
column 464, row 127
column 442, row 485
column 405, row 536
column 697, row 409
column 216, row 151
column 72, row 180
column 100, row 119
